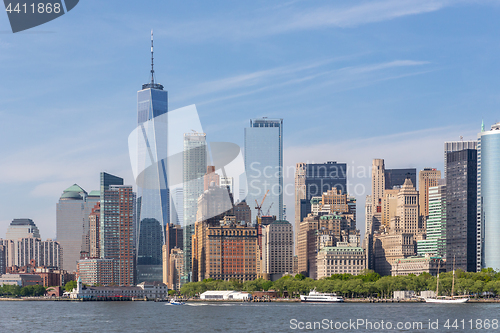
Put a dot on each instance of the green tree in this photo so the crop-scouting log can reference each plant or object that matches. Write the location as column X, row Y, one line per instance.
column 69, row 286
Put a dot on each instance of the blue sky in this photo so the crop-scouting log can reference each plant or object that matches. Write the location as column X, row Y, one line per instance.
column 353, row 81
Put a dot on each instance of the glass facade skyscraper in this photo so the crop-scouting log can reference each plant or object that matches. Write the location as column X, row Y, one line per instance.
column 153, row 199
column 435, row 241
column 461, row 210
column 488, row 198
column 264, row 165
column 193, row 169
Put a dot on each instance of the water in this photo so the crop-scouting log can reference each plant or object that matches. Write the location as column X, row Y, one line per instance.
column 233, row 317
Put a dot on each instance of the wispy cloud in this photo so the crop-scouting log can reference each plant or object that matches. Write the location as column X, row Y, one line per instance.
column 302, row 16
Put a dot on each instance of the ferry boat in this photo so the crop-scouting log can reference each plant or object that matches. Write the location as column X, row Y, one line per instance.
column 315, row 296
column 175, row 302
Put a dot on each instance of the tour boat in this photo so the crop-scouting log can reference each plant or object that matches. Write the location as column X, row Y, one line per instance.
column 175, row 302
column 315, row 296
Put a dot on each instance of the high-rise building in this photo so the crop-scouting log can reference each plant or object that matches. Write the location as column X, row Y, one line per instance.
column 426, row 178
column 277, row 248
column 176, row 269
column 72, row 224
column 3, row 262
column 24, row 251
column 22, row 228
column 435, row 242
column 264, row 164
column 314, row 179
column 397, row 177
column 173, row 239
column 152, row 187
column 117, row 230
column 95, row 244
column 193, row 170
column 227, row 182
column 98, row 271
column 211, row 178
column 451, row 146
column 461, row 210
column 488, row 198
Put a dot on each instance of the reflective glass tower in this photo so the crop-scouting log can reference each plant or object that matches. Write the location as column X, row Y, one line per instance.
column 264, row 165
column 153, row 200
column 488, row 198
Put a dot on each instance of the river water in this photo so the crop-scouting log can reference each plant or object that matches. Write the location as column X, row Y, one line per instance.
column 36, row 316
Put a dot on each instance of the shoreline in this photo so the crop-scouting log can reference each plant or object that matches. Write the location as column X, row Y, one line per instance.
column 197, row 300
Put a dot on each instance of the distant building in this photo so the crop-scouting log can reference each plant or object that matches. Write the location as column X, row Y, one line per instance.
column 264, row 164
column 94, row 222
column 99, row 271
column 176, row 269
column 451, row 146
column 117, row 228
column 397, row 177
column 193, row 170
column 277, row 248
column 173, row 239
column 225, row 295
column 435, row 241
column 340, row 260
column 150, row 290
column 426, row 178
column 72, row 224
column 488, row 198
column 22, row 228
column 22, row 251
column 21, row 280
column 461, row 210
column 227, row 182
column 225, row 250
column 419, row 265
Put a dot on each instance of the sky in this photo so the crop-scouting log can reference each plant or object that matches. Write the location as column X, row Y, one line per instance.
column 352, row 80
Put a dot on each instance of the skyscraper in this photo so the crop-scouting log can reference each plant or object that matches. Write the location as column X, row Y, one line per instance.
column 426, row 178
column 153, row 195
column 488, row 198
column 72, row 224
column 435, row 241
column 22, row 228
column 461, row 210
column 117, row 226
column 314, row 179
column 397, row 177
column 193, row 171
column 451, row 146
column 264, row 164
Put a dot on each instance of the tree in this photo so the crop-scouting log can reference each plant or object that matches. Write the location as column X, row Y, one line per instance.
column 70, row 286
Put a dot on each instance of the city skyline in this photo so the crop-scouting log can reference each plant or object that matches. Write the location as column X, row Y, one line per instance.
column 344, row 81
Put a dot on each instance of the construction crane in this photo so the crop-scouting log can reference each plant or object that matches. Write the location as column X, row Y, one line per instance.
column 259, row 207
column 269, row 210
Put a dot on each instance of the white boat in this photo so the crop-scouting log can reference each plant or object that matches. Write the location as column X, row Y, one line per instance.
column 315, row 296
column 175, row 302
column 447, row 299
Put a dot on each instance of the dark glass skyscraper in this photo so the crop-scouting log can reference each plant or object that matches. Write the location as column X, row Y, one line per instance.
column 153, row 196
column 461, row 208
column 397, row 177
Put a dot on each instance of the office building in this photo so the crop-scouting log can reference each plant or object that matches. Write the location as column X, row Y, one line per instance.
column 72, row 224
column 153, row 196
column 225, row 250
column 451, row 146
column 314, row 179
column 176, row 269
column 264, row 164
column 277, row 248
column 426, row 178
column 24, row 251
column 173, row 239
column 211, row 178
column 418, row 265
column 94, row 222
column 340, row 260
column 397, row 177
column 435, row 242
column 227, row 182
column 99, row 271
column 3, row 259
column 22, row 228
column 488, row 198
column 194, row 167
column 117, row 228
column 461, row 210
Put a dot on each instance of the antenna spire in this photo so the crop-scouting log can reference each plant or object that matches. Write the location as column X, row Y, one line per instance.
column 152, row 62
